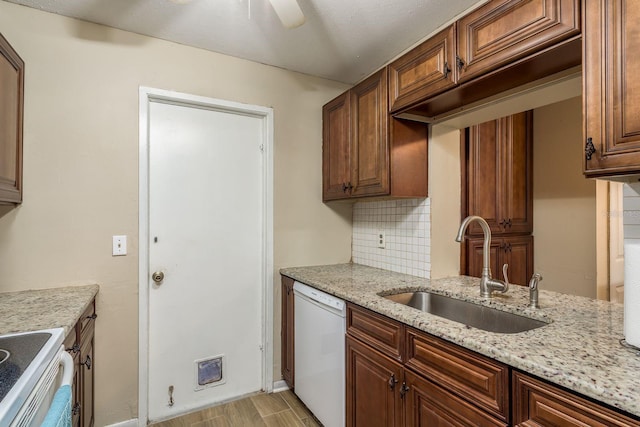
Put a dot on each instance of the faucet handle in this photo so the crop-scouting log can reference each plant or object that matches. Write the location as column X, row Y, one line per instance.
column 505, row 267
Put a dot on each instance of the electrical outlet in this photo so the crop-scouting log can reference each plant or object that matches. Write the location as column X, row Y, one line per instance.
column 119, row 245
column 382, row 242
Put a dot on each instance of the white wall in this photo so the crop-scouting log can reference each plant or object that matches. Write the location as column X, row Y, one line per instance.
column 81, row 171
column 564, row 202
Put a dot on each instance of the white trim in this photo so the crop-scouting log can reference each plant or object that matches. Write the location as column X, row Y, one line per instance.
column 129, row 423
column 279, row 386
column 146, row 95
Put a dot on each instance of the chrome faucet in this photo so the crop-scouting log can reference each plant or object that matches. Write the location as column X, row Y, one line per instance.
column 487, row 283
column 533, row 290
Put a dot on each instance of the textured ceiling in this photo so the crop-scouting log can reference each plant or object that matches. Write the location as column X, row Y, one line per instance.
column 342, row 40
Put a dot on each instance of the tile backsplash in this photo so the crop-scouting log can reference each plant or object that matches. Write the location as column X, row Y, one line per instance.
column 631, row 207
column 406, row 225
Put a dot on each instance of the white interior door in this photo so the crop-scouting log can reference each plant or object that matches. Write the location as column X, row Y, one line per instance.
column 207, row 237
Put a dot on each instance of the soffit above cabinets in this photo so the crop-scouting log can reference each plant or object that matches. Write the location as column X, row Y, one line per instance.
column 340, row 40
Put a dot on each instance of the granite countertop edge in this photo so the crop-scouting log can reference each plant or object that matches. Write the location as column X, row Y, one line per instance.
column 579, row 349
column 33, row 310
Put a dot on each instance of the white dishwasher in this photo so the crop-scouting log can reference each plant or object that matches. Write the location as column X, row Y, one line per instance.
column 319, row 353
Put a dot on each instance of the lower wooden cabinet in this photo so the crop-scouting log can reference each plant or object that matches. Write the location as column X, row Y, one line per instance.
column 286, row 332
column 373, row 387
column 80, row 344
column 429, row 405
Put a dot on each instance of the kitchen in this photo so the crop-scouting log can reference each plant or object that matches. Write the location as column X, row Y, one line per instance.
column 74, row 202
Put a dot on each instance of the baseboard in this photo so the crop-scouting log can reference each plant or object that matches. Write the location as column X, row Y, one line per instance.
column 279, row 386
column 128, row 423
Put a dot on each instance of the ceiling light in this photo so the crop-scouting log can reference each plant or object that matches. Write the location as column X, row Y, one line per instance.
column 289, row 12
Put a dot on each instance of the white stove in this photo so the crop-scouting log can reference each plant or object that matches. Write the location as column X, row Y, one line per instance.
column 28, row 361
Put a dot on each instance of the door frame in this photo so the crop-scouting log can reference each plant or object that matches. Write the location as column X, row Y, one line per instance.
column 146, row 96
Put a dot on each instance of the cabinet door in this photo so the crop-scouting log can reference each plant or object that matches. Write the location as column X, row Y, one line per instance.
column 423, row 72
column 474, row 257
column 336, row 166
column 287, row 330
column 87, row 377
column 536, row 403
column 503, row 31
column 517, row 251
column 499, row 174
column 516, row 180
column 611, row 90
column 373, row 387
column 370, row 137
column 484, row 154
column 428, row 405
column 11, row 108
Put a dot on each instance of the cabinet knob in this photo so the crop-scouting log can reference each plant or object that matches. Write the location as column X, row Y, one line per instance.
column 459, row 63
column 392, row 381
column 589, row 148
column 93, row 316
column 75, row 349
column 446, row 70
column 76, row 409
column 87, row 362
column 404, row 389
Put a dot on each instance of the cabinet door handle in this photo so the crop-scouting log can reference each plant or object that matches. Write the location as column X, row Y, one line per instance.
column 75, row 349
column 93, row 316
column 404, row 389
column 392, row 381
column 459, row 63
column 446, row 70
column 76, row 409
column 589, row 148
column 87, row 362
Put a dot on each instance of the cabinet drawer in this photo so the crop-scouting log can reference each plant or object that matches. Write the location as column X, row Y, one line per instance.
column 538, row 403
column 480, row 380
column 376, row 330
column 88, row 317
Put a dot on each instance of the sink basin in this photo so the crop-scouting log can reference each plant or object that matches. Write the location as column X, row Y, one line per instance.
column 477, row 316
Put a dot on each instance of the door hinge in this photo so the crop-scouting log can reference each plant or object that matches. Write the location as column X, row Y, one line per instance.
column 262, row 148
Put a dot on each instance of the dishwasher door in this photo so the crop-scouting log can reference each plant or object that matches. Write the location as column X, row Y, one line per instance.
column 320, row 353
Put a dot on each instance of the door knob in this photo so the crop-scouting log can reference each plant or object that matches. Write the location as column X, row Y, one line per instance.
column 158, row 276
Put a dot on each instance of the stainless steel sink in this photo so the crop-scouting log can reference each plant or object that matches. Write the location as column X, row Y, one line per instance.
column 477, row 316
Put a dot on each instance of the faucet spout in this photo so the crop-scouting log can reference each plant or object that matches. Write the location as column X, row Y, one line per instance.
column 487, row 283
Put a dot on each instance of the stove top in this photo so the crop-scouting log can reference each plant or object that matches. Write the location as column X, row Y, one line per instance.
column 23, row 359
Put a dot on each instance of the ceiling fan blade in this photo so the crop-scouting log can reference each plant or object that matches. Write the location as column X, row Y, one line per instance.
column 289, row 12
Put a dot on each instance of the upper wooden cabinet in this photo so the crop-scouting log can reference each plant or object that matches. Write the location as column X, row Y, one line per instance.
column 499, row 174
column 499, row 46
column 11, row 113
column 611, row 93
column 424, row 71
column 503, row 31
column 366, row 152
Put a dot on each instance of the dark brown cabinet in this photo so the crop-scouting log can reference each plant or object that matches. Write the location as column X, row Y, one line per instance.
column 425, row 71
column 538, row 403
column 438, row 384
column 610, row 91
column 11, row 118
column 517, row 251
column 503, row 31
column 499, row 46
column 498, row 165
column 373, row 382
column 287, row 331
column 368, row 153
column 80, row 344
column 497, row 184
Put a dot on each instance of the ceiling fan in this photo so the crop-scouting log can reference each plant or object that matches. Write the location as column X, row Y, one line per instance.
column 288, row 11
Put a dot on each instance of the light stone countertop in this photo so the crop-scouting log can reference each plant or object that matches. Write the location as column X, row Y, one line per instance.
column 44, row 309
column 580, row 349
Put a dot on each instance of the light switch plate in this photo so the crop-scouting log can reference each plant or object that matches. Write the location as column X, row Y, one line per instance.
column 119, row 245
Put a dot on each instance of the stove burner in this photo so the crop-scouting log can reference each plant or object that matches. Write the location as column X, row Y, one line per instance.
column 4, row 355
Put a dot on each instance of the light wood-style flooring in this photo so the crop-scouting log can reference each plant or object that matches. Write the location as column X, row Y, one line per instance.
column 269, row 410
